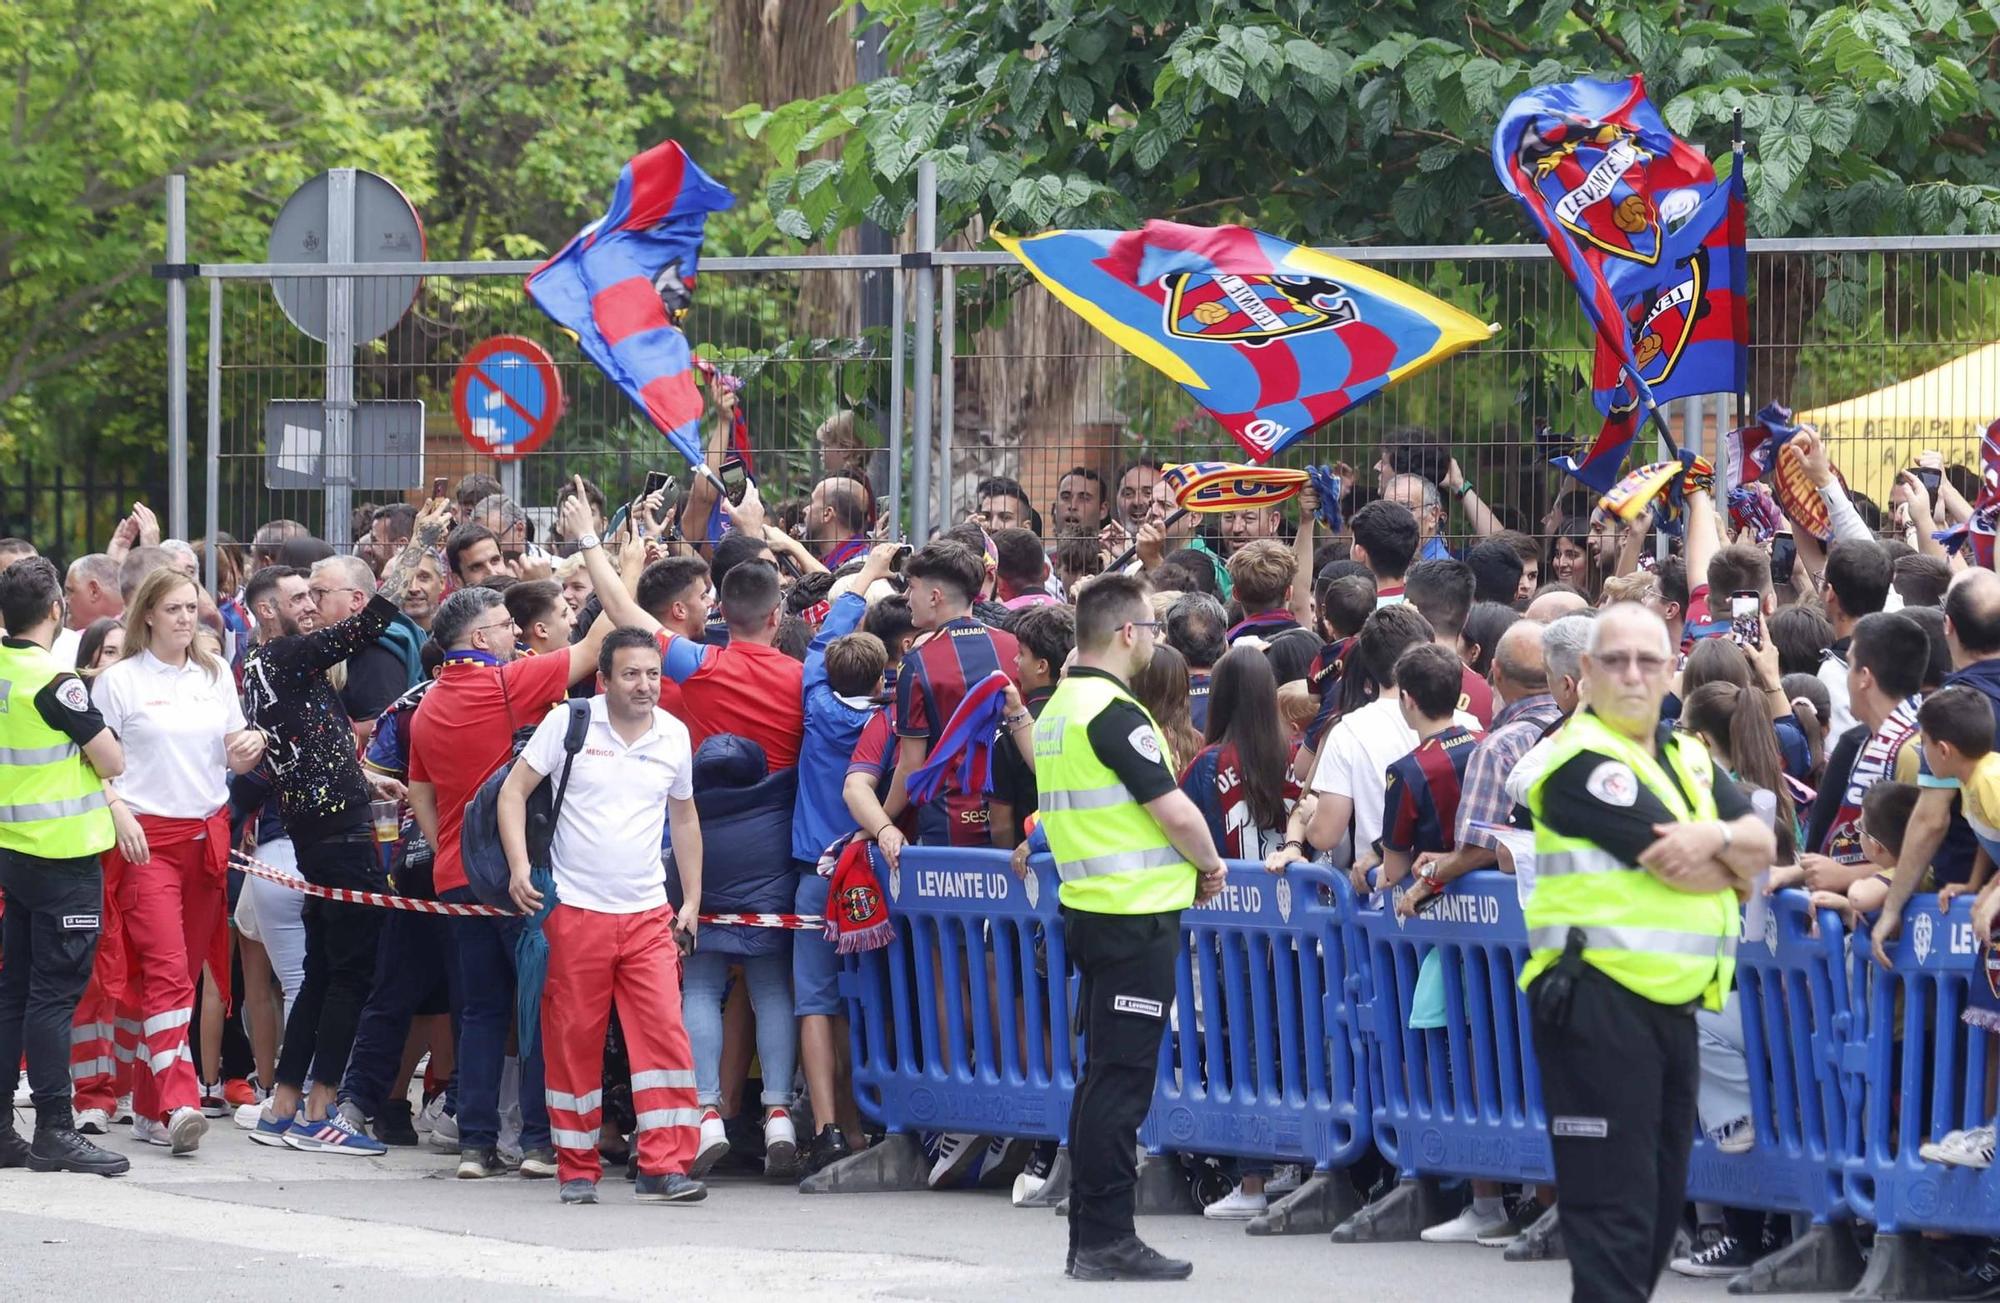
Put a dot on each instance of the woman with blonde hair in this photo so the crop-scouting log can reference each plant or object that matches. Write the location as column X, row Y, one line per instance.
column 173, row 704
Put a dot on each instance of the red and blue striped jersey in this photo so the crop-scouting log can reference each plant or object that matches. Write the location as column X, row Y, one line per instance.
column 1420, row 802
column 935, row 677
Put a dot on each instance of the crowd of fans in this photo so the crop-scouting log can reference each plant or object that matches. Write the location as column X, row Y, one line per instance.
column 1374, row 698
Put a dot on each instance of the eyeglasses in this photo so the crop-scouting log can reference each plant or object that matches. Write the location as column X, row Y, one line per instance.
column 488, row 628
column 1142, row 624
column 321, row 594
column 1619, row 662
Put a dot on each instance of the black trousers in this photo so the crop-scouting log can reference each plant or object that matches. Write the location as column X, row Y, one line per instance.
column 340, row 961
column 48, row 941
column 1126, row 962
column 1618, row 1085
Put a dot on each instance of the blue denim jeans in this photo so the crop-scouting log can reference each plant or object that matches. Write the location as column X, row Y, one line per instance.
column 411, row 959
column 704, row 979
column 483, row 952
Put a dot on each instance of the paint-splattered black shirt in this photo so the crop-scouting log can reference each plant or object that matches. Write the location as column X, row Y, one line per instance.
column 309, row 746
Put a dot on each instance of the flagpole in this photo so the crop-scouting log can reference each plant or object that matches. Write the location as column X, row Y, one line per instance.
column 1738, row 180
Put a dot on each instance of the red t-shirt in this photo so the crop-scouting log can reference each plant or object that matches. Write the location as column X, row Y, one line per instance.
column 746, row 688
column 1475, row 697
column 464, row 729
column 875, row 756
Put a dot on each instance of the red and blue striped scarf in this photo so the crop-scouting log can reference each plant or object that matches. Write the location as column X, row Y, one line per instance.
column 964, row 750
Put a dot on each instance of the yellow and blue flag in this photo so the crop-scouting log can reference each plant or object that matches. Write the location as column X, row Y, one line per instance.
column 1273, row 339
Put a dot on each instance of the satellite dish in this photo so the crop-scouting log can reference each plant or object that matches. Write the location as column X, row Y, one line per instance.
column 386, row 229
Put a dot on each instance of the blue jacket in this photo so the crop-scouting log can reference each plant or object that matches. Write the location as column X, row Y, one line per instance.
column 746, row 840
column 833, row 724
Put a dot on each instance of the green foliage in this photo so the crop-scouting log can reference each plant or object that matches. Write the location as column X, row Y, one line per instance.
column 504, row 123
column 1357, row 125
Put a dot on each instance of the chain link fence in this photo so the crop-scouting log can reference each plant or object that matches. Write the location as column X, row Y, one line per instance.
column 1026, row 390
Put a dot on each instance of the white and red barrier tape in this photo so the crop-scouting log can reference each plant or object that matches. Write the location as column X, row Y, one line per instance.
column 258, row 869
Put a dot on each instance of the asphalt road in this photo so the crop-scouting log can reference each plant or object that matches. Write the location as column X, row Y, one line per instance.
column 238, row 1221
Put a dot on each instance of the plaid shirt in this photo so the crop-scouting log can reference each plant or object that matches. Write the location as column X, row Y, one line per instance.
column 1483, row 794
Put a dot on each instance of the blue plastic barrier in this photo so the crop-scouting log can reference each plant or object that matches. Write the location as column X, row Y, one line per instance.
column 1791, row 993
column 1262, row 1060
column 963, row 1022
column 1463, row 1099
column 1914, row 1071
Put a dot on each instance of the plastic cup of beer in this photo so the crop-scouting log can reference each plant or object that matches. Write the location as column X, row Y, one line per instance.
column 388, row 816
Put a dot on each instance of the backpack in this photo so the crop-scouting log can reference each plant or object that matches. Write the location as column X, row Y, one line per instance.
column 479, row 836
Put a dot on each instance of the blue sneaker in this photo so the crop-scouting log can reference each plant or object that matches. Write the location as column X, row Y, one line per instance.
column 271, row 1130
column 333, row 1134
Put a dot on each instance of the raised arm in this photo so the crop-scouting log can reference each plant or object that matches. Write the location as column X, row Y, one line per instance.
column 1478, row 516
column 1302, row 558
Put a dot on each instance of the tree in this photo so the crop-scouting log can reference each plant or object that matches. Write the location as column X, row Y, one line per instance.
column 1293, row 114
column 1371, row 125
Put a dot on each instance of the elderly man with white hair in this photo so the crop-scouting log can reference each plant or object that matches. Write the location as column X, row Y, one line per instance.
column 1642, row 844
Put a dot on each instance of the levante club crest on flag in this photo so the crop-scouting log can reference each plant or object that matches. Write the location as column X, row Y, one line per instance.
column 1651, row 239
column 1274, row 340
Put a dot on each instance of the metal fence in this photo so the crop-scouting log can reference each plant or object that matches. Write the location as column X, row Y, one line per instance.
column 973, row 370
column 67, row 511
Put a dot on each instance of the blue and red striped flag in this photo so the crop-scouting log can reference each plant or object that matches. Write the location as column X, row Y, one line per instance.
column 964, row 749
column 623, row 283
column 1652, row 241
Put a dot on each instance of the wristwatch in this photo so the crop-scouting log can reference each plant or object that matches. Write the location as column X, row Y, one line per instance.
column 588, row 541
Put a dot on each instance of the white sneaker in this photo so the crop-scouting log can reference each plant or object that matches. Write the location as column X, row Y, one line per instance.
column 444, row 1133
column 1973, row 1149
column 151, row 1132
column 957, row 1151
column 714, row 1144
column 185, row 1129
column 432, row 1110
column 1288, row 1177
column 1237, row 1206
column 781, row 1144
column 123, row 1113
column 93, row 1122
column 1466, row 1228
column 1738, row 1137
column 247, row 1115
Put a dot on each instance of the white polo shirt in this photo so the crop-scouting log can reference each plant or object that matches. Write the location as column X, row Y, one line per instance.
column 1355, row 757
column 171, row 722
column 606, row 850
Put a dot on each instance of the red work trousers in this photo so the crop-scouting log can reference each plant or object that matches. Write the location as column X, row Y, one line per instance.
column 171, row 908
column 630, row 959
column 103, row 1038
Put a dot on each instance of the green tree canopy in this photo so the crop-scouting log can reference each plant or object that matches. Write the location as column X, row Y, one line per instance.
column 1371, row 124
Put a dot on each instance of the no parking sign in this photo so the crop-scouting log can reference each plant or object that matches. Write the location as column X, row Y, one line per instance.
column 507, row 397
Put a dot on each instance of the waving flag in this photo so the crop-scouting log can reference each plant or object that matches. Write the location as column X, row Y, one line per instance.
column 1651, row 240
column 1273, row 339
column 1225, row 486
column 623, row 283
column 1600, row 465
column 1686, row 324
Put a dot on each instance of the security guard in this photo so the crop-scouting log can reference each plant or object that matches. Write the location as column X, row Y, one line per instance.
column 1133, row 852
column 1641, row 846
column 55, row 820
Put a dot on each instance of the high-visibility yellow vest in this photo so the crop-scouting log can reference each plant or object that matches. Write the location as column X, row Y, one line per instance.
column 1112, row 855
column 52, row 802
column 1668, row 945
